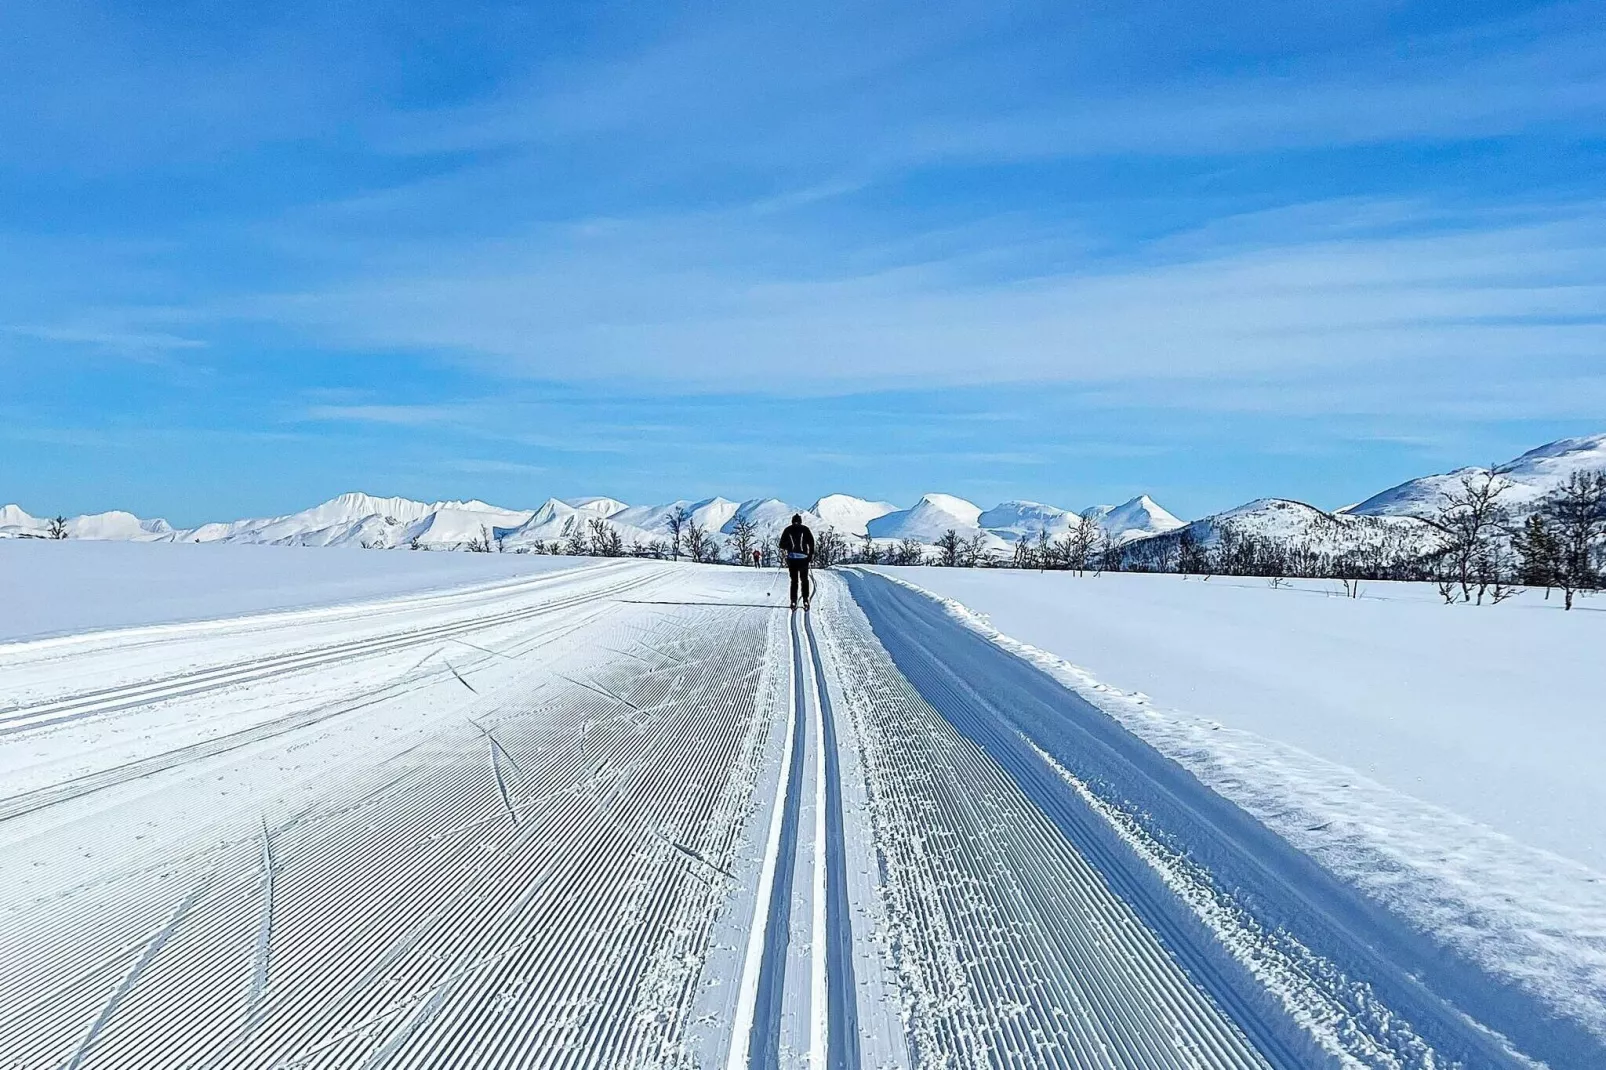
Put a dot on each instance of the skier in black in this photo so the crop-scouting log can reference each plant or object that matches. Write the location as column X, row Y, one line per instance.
column 797, row 549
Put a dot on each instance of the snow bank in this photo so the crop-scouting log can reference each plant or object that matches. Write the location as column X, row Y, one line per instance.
column 62, row 587
column 1446, row 760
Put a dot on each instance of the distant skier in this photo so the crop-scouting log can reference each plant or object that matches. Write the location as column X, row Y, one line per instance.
column 797, row 547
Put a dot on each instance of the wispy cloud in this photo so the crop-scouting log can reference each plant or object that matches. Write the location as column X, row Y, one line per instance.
column 480, row 466
column 116, row 341
column 1245, row 302
column 401, row 415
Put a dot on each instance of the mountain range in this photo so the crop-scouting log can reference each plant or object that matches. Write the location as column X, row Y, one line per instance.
column 357, row 519
column 1399, row 516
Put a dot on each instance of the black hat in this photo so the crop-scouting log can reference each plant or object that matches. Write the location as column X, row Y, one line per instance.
column 797, row 518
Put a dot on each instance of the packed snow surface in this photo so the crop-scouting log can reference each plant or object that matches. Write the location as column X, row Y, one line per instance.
column 1489, row 711
column 53, row 587
column 626, row 816
column 637, row 815
column 1444, row 759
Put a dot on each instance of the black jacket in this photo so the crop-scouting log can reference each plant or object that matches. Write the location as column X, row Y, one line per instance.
column 797, row 539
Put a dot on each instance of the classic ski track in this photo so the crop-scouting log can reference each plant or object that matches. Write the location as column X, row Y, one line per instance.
column 756, row 1041
column 63, row 791
column 509, row 951
column 1014, row 950
column 572, row 867
column 129, row 696
column 841, row 992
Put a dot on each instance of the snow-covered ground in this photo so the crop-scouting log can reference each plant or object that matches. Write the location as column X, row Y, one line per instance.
column 637, row 815
column 1444, row 759
column 1493, row 712
column 53, row 588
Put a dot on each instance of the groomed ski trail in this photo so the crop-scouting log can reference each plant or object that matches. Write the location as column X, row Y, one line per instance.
column 634, row 815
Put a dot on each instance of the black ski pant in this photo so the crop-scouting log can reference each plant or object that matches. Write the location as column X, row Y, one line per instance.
column 800, row 577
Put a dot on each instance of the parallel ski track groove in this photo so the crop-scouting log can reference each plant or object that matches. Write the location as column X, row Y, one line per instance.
column 1031, row 957
column 567, row 939
column 764, row 1049
column 843, row 1034
column 144, row 693
column 52, row 794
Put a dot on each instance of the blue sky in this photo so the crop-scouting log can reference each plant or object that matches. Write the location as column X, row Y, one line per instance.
column 252, row 258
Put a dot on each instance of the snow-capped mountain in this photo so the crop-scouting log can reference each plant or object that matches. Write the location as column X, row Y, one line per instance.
column 357, row 519
column 849, row 515
column 1295, row 526
column 710, row 514
column 600, row 506
column 114, row 525
column 557, row 520
column 930, row 518
column 1134, row 519
column 1530, row 478
column 1012, row 521
column 769, row 516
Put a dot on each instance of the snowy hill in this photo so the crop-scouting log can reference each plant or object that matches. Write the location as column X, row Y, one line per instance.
column 365, row 520
column 117, row 525
column 1296, row 528
column 356, row 519
column 1531, row 476
column 1133, row 519
column 556, row 520
column 930, row 518
column 15, row 522
column 769, row 516
column 600, row 506
column 847, row 514
column 1012, row 521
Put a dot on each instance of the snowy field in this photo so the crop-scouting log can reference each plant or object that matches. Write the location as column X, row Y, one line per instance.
column 1493, row 712
column 1444, row 759
column 54, row 588
column 637, row 815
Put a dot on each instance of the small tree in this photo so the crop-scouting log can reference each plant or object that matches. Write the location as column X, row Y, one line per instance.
column 57, row 528
column 1023, row 555
column 1045, row 551
column 1576, row 513
column 974, row 552
column 605, row 539
column 829, row 548
column 1473, row 519
column 1079, row 542
column 869, row 552
column 949, row 547
column 698, row 544
column 1537, row 551
column 1193, row 556
column 907, row 552
column 743, row 537
column 577, row 544
column 676, row 519
column 481, row 543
